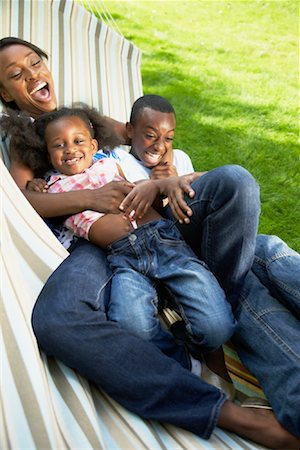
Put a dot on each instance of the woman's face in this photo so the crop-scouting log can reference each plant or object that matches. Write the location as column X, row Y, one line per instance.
column 26, row 80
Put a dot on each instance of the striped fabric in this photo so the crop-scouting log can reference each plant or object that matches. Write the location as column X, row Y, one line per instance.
column 44, row 404
column 89, row 61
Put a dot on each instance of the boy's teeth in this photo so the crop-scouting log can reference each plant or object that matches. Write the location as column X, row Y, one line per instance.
column 154, row 157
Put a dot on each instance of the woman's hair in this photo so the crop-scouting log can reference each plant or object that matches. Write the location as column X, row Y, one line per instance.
column 28, row 144
column 150, row 101
column 8, row 42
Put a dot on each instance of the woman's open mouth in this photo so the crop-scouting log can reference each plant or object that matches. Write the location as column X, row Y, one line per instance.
column 41, row 92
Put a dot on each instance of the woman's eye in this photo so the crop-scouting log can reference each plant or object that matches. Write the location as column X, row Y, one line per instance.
column 35, row 63
column 15, row 75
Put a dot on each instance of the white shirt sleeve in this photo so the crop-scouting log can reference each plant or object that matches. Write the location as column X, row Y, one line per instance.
column 182, row 162
column 132, row 167
column 135, row 171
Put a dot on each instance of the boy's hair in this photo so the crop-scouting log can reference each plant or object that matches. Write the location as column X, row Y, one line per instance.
column 28, row 144
column 9, row 41
column 150, row 101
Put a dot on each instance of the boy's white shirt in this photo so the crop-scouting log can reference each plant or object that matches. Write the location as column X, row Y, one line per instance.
column 134, row 170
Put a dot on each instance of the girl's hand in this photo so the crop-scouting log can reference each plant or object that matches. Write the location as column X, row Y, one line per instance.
column 139, row 200
column 37, row 185
column 164, row 170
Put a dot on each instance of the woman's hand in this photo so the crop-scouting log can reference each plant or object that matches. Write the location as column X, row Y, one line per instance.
column 139, row 200
column 108, row 198
column 37, row 185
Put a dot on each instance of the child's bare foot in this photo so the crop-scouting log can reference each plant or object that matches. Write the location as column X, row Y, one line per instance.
column 258, row 425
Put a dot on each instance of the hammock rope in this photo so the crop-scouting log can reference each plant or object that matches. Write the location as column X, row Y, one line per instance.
column 99, row 9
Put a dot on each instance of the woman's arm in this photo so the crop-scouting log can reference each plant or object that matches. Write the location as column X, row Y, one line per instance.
column 106, row 199
column 20, row 173
column 120, row 130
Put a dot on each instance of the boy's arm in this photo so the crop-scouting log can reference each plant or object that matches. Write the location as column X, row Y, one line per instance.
column 143, row 195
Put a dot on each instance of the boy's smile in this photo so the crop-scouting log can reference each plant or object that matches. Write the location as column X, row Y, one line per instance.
column 152, row 136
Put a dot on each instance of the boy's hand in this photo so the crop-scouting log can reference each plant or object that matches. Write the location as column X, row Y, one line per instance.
column 175, row 188
column 37, row 185
column 139, row 200
column 164, row 170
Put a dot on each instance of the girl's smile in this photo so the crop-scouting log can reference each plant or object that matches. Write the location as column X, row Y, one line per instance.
column 70, row 145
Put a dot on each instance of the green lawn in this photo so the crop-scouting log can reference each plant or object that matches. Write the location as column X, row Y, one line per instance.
column 231, row 70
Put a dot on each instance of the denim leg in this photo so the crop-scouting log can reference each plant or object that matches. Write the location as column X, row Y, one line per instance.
column 224, row 224
column 134, row 305
column 267, row 339
column 278, row 267
column 199, row 298
column 69, row 323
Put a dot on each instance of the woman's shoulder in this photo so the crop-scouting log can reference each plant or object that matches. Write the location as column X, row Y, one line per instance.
column 4, row 149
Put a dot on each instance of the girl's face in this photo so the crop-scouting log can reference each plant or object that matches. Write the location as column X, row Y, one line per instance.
column 26, row 80
column 152, row 136
column 70, row 145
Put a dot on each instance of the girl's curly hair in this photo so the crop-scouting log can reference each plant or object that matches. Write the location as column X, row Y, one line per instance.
column 28, row 144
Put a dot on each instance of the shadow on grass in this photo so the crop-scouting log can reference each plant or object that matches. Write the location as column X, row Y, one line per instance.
column 219, row 129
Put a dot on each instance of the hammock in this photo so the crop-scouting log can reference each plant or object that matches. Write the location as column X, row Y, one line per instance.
column 46, row 405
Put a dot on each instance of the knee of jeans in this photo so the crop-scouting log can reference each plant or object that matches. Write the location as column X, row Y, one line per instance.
column 140, row 325
column 217, row 333
column 239, row 180
column 49, row 326
column 270, row 247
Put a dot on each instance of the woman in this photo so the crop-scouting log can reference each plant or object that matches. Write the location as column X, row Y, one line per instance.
column 96, row 348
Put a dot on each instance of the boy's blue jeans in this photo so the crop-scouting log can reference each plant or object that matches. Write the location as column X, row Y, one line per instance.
column 156, row 252
column 268, row 332
column 69, row 319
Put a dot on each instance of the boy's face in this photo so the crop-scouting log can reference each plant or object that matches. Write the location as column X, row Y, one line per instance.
column 70, row 145
column 152, row 136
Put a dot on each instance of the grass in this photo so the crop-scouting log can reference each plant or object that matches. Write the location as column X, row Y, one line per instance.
column 231, row 70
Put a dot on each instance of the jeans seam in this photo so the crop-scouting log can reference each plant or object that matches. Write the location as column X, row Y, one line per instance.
column 266, row 263
column 208, row 260
column 285, row 287
column 214, row 416
column 266, row 327
column 273, row 258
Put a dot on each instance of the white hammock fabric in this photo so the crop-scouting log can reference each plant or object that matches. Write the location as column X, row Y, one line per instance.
column 44, row 404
